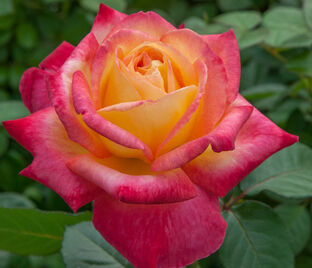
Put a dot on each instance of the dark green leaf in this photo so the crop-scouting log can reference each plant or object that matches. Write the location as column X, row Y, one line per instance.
column 31, row 231
column 265, row 96
column 84, row 247
column 93, row 5
column 255, row 238
column 26, row 35
column 5, row 37
column 12, row 110
column 298, row 222
column 76, row 26
column 229, row 5
column 287, row 173
column 7, row 22
column 204, row 10
column 301, row 64
column 4, row 141
column 15, row 74
column 3, row 75
column 304, row 261
column 15, row 200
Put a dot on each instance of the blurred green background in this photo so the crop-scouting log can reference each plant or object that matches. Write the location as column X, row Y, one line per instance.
column 275, row 40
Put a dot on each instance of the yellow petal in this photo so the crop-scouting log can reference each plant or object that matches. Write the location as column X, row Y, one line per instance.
column 152, row 121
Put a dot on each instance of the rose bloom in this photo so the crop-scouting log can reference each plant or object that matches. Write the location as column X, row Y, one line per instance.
column 146, row 120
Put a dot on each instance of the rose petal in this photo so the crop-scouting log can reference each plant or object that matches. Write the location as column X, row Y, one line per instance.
column 181, row 66
column 187, row 120
column 166, row 235
column 226, row 47
column 258, row 139
column 214, row 101
column 44, row 136
column 104, row 22
column 152, row 121
column 222, row 138
column 147, row 90
column 59, row 87
column 112, row 175
column 56, row 59
column 84, row 106
column 104, row 60
column 149, row 22
column 33, row 89
column 119, row 88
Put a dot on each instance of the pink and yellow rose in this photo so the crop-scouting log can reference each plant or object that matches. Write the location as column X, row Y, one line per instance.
column 146, row 120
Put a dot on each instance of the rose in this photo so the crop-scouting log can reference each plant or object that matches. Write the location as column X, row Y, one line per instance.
column 146, row 120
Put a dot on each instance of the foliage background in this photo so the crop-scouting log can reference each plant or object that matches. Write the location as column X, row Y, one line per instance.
column 275, row 39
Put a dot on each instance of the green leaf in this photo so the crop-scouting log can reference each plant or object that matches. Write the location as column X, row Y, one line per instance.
column 15, row 200
column 265, row 96
column 4, row 141
column 287, row 173
column 252, row 38
column 240, row 19
column 301, row 64
column 286, row 28
column 196, row 24
column 93, row 5
column 84, row 247
column 298, row 222
column 3, row 75
column 15, row 74
column 4, row 259
column 12, row 109
column 307, row 13
column 34, row 232
column 26, row 35
column 76, row 26
column 229, row 5
column 255, row 238
column 6, row 7
column 7, row 22
column 304, row 261
column 5, row 37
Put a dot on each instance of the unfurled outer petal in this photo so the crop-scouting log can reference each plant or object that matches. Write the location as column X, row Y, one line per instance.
column 60, row 86
column 56, row 59
column 258, row 139
column 155, row 188
column 226, row 47
column 33, row 89
column 44, row 136
column 162, row 236
column 84, row 106
column 105, row 20
column 222, row 138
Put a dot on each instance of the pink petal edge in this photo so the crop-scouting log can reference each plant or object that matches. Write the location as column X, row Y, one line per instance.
column 166, row 187
column 222, row 138
column 56, row 59
column 165, row 235
column 44, row 136
column 33, row 89
column 105, row 20
column 258, row 139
